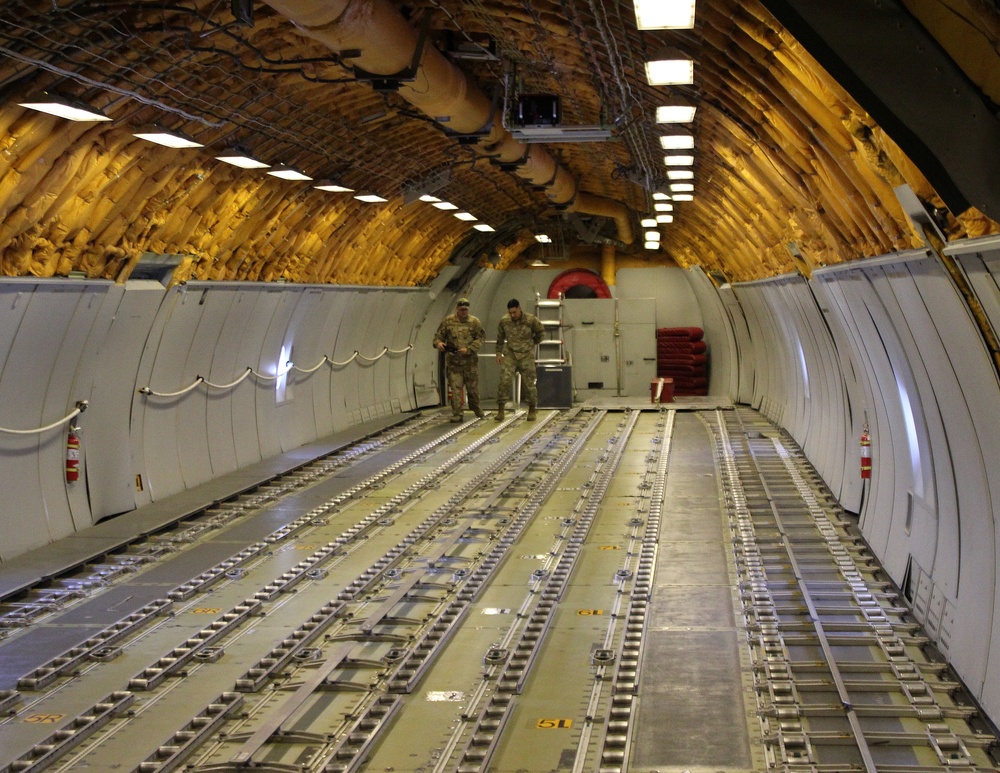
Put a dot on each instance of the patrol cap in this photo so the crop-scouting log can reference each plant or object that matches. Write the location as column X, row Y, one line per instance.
column 463, row 302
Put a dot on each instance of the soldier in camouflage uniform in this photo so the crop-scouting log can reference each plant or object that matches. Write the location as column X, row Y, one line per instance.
column 460, row 335
column 517, row 336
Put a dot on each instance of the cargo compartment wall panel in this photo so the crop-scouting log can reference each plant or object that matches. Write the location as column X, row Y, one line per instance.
column 300, row 415
column 677, row 304
column 40, row 357
column 968, row 395
column 111, row 484
column 230, row 444
column 261, row 350
column 161, row 433
column 981, row 261
column 402, row 311
column 922, row 369
column 196, row 434
column 743, row 351
column 724, row 362
column 349, row 340
column 849, row 487
column 330, row 398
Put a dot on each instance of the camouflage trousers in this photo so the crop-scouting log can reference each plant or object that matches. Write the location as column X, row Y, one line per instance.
column 467, row 376
column 525, row 365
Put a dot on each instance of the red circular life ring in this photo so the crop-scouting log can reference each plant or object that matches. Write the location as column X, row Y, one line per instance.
column 578, row 277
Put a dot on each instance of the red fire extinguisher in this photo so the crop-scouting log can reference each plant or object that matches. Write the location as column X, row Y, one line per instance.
column 866, row 454
column 73, row 455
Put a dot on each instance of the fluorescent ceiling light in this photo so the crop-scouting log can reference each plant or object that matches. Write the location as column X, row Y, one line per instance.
column 665, row 207
column 652, row 245
column 664, row 14
column 677, row 142
column 681, row 187
column 370, row 198
column 543, row 238
column 683, row 197
column 444, row 205
column 648, row 222
column 242, row 161
column 483, row 227
column 288, row 173
column 64, row 107
column 333, row 188
column 539, row 263
column 664, row 218
column 660, row 196
column 652, row 236
column 429, row 199
column 675, row 114
column 465, row 216
column 680, row 174
column 678, row 160
column 167, row 138
column 670, row 72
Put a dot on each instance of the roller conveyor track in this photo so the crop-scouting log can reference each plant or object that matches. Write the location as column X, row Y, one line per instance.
column 488, row 598
column 843, row 681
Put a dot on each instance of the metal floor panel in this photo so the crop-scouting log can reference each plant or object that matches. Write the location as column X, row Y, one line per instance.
column 596, row 592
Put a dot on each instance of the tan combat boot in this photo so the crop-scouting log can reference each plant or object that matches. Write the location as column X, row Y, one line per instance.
column 532, row 415
column 499, row 416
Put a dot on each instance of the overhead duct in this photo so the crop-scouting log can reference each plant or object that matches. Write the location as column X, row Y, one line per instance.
column 387, row 43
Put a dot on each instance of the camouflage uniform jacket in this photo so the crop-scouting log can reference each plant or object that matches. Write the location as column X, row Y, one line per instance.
column 462, row 335
column 519, row 338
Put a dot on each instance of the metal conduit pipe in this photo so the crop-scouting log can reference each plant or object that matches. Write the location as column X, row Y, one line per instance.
column 608, row 264
column 387, row 42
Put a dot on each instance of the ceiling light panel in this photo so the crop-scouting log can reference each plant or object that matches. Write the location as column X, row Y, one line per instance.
column 287, row 173
column 677, row 142
column 678, row 160
column 333, row 188
column 675, row 114
column 63, row 107
column 371, row 198
column 664, row 14
column 167, row 138
column 465, row 216
column 242, row 161
column 680, row 174
column 670, row 72
column 683, row 197
column 446, row 205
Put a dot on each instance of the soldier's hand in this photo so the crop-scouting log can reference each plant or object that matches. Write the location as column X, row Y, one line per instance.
column 439, row 346
column 463, row 350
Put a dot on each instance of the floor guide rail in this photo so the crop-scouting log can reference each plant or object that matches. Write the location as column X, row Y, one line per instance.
column 495, row 597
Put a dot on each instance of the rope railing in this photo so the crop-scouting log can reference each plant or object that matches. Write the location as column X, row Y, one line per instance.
column 231, row 384
column 149, row 391
column 81, row 406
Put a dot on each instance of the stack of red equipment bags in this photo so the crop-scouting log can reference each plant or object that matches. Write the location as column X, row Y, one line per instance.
column 681, row 354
